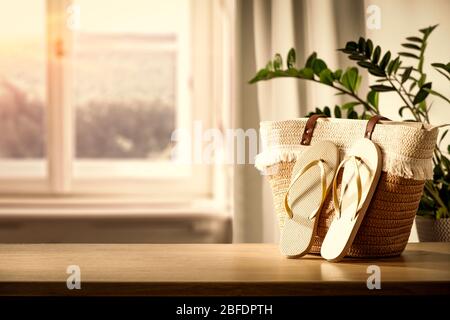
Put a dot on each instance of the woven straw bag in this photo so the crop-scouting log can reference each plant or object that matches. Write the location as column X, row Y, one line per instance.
column 407, row 150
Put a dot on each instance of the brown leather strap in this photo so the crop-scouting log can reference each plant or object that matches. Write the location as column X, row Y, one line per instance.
column 371, row 125
column 309, row 128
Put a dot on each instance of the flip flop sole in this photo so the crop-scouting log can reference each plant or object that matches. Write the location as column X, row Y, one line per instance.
column 343, row 230
column 305, row 197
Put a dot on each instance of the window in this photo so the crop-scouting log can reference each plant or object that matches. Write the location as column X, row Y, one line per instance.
column 22, row 88
column 129, row 72
column 91, row 92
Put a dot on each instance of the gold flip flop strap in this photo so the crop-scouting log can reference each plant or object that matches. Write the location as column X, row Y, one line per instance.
column 323, row 179
column 336, row 201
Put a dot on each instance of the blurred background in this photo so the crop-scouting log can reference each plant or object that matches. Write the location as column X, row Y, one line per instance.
column 93, row 92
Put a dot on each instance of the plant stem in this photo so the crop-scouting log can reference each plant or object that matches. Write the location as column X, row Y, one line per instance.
column 367, row 106
column 425, row 113
column 404, row 100
column 422, row 55
column 436, row 196
column 404, row 90
column 437, row 155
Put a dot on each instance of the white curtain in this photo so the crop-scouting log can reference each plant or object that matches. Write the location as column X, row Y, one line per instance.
column 262, row 28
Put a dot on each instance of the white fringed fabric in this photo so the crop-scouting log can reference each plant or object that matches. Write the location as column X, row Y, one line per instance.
column 407, row 147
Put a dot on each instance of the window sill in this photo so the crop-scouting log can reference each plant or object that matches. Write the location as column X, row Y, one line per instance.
column 105, row 207
column 111, row 220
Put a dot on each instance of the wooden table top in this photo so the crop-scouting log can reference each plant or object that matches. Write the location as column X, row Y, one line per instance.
column 213, row 269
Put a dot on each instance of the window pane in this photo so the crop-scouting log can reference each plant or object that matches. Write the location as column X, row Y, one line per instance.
column 126, row 77
column 22, row 81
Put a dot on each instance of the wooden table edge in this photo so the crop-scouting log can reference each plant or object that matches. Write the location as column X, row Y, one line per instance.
column 166, row 289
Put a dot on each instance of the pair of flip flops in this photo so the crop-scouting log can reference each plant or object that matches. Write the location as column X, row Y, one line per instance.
column 314, row 175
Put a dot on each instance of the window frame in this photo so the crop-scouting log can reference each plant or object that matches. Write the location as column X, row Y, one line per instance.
column 59, row 179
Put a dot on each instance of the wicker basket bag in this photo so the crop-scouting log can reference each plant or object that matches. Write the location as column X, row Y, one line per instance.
column 407, row 150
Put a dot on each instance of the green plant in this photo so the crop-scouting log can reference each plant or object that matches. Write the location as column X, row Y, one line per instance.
column 409, row 81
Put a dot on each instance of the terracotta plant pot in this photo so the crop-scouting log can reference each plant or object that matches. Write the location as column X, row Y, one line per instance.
column 442, row 230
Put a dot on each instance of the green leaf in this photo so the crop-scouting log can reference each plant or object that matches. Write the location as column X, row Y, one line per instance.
column 397, row 65
column 358, row 83
column 350, row 78
column 369, row 48
column 292, row 72
column 411, row 46
column 279, row 73
column 318, row 66
column 443, row 69
column 427, row 31
column 406, row 74
column 350, row 105
column 384, row 62
column 446, row 162
column 413, row 68
column 310, row 60
column 414, row 39
column 427, row 201
column 351, row 45
column 337, row 74
column 422, row 107
column 448, row 78
column 377, row 72
column 442, row 137
column 326, row 77
column 356, row 57
column 422, row 94
column 327, row 111
column 437, row 171
column 372, row 98
column 376, row 55
column 306, row 73
column 382, row 88
column 446, row 67
column 413, row 84
column 353, row 78
column 261, row 75
column 291, row 58
column 347, row 51
column 441, row 213
column 337, row 112
column 352, row 115
column 390, row 67
column 437, row 94
column 277, row 62
column 409, row 55
column 361, row 45
column 365, row 64
column 400, row 111
column 269, row 66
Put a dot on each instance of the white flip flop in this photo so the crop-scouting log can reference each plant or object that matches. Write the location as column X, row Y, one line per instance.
column 310, row 182
column 362, row 170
